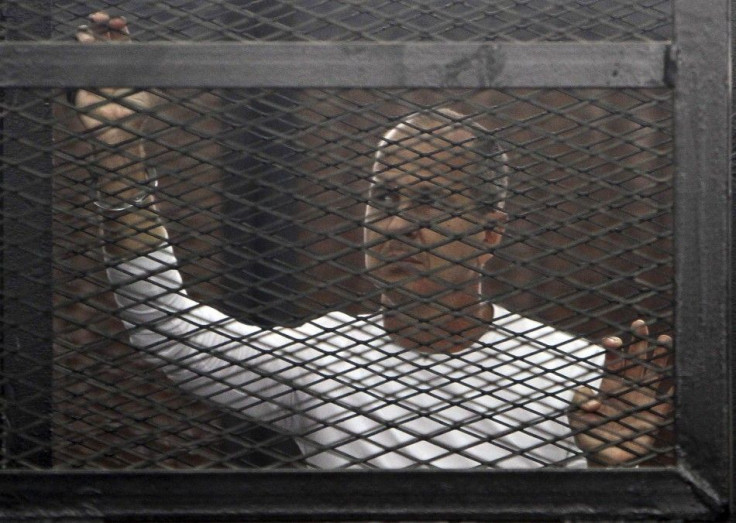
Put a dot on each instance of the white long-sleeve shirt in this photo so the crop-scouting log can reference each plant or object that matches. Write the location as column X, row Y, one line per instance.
column 351, row 396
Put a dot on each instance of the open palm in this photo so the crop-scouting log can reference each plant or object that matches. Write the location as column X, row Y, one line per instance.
column 621, row 422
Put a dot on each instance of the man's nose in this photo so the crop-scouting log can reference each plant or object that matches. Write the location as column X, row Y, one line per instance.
column 402, row 225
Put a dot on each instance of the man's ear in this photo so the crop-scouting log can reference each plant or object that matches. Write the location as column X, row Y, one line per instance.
column 496, row 225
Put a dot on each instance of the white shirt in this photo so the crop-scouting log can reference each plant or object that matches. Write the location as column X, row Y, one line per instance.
column 352, row 397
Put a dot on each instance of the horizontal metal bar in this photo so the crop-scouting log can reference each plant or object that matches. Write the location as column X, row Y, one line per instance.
column 289, row 495
column 334, row 64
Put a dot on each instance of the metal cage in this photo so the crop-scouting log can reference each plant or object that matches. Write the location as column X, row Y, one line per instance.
column 619, row 117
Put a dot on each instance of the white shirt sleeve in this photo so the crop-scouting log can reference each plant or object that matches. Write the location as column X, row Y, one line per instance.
column 203, row 350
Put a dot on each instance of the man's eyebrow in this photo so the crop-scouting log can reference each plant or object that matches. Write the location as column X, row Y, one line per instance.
column 431, row 189
column 436, row 192
column 459, row 187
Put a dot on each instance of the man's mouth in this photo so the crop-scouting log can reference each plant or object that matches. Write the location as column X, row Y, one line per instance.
column 400, row 264
column 400, row 257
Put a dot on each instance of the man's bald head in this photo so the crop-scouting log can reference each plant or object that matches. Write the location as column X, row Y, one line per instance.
column 437, row 142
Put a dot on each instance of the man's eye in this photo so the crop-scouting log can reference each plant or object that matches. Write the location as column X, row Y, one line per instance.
column 487, row 206
column 434, row 200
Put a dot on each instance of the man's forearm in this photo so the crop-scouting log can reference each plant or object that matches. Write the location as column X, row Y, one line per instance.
column 124, row 194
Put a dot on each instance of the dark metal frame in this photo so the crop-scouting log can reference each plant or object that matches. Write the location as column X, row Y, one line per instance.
column 696, row 64
column 27, row 333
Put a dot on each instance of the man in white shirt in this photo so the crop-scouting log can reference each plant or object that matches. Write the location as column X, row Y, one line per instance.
column 438, row 377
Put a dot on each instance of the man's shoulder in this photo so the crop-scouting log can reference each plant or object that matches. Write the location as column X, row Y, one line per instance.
column 533, row 342
column 338, row 324
column 344, row 321
column 511, row 326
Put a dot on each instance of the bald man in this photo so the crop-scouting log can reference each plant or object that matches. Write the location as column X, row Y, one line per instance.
column 439, row 377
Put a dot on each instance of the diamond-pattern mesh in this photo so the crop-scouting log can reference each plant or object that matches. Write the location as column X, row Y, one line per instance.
column 263, row 193
column 322, row 276
column 385, row 20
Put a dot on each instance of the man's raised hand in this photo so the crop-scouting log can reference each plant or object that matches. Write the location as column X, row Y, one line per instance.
column 621, row 423
column 118, row 113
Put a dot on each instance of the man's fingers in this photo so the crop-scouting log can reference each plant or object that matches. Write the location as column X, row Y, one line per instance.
column 664, row 341
column 100, row 17
column 614, row 361
column 638, row 352
column 621, row 423
column 640, row 346
column 103, row 27
column 637, row 363
column 119, row 29
column 98, row 25
column 586, row 399
column 665, row 360
column 662, row 353
column 84, row 34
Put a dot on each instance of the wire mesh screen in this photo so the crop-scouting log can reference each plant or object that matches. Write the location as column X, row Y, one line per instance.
column 264, row 194
column 306, row 20
column 353, row 278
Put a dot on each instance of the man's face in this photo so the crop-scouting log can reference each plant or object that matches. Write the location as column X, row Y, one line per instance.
column 429, row 225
